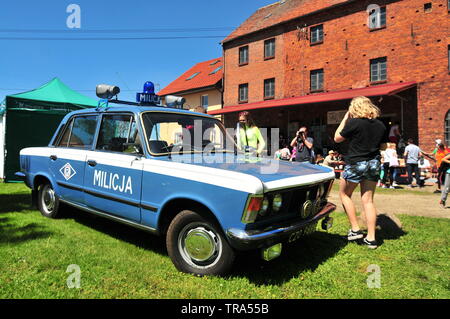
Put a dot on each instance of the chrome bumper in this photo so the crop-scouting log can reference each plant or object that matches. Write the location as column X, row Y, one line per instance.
column 253, row 239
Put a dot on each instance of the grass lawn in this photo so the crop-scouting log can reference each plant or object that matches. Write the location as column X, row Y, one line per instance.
column 117, row 261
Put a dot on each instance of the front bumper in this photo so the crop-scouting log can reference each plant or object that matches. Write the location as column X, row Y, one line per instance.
column 254, row 239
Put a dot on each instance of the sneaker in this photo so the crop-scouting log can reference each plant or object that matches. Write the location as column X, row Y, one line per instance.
column 391, row 187
column 442, row 203
column 370, row 244
column 354, row 235
column 385, row 186
column 437, row 191
column 394, row 184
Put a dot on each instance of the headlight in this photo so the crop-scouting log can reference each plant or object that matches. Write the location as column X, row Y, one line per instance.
column 277, row 202
column 264, row 207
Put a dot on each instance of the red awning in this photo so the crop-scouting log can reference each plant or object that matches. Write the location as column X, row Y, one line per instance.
column 378, row 90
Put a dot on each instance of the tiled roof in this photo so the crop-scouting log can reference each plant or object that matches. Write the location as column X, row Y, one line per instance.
column 203, row 74
column 279, row 12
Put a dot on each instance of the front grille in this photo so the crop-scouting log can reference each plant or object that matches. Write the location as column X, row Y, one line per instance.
column 294, row 199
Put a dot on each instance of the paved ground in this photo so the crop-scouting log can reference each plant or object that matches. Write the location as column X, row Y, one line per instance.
column 416, row 202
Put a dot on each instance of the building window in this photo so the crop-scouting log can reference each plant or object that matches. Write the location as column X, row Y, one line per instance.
column 428, row 7
column 316, row 80
column 243, row 55
column 193, row 76
column 269, row 49
column 447, row 128
column 243, row 93
column 204, row 101
column 378, row 70
column 317, row 34
column 377, row 18
column 269, row 88
column 216, row 70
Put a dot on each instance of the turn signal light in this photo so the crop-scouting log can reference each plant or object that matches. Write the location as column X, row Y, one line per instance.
column 252, row 208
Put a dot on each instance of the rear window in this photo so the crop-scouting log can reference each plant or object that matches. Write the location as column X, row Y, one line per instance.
column 79, row 132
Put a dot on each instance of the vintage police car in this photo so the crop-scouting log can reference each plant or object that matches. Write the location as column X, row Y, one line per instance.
column 170, row 172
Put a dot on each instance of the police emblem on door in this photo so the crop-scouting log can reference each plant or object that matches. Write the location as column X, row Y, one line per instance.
column 67, row 171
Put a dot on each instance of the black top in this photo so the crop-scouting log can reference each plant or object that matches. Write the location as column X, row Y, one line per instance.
column 365, row 137
column 304, row 154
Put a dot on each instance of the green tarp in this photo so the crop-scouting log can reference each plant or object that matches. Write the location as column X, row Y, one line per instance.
column 32, row 118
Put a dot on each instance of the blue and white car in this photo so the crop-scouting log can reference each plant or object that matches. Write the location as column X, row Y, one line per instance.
column 139, row 165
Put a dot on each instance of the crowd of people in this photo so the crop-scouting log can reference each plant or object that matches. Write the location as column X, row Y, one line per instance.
column 369, row 161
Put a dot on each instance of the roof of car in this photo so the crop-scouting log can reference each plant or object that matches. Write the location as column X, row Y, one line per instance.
column 137, row 109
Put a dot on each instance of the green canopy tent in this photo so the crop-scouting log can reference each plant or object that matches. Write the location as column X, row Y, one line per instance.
column 32, row 118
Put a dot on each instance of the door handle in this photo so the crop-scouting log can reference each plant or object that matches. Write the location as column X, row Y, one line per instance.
column 53, row 157
column 92, row 163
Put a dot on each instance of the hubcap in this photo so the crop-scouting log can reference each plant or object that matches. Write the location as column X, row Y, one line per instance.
column 199, row 246
column 48, row 199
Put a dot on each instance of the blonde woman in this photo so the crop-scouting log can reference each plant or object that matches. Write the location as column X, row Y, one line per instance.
column 365, row 133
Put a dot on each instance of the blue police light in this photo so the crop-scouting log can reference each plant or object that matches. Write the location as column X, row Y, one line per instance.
column 149, row 87
column 148, row 97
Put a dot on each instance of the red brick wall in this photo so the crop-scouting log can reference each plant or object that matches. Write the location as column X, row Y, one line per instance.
column 414, row 42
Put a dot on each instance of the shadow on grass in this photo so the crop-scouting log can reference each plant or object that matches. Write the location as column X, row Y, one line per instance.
column 306, row 254
column 117, row 230
column 388, row 227
column 13, row 234
column 12, row 203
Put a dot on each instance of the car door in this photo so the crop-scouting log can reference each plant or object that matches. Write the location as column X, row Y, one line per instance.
column 68, row 158
column 113, row 174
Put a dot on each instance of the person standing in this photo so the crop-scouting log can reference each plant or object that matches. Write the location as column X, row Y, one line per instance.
column 439, row 153
column 249, row 137
column 394, row 133
column 393, row 164
column 364, row 132
column 412, row 155
column 304, row 146
column 445, row 187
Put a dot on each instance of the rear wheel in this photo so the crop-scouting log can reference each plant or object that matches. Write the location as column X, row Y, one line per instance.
column 196, row 245
column 48, row 202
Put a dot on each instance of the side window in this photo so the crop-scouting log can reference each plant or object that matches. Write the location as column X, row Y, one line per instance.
column 119, row 133
column 80, row 132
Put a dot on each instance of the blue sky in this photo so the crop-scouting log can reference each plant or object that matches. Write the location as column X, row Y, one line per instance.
column 81, row 64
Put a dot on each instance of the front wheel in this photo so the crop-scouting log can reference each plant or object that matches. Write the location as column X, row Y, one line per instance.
column 48, row 202
column 196, row 245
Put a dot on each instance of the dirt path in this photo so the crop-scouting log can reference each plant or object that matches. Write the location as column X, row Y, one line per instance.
column 401, row 203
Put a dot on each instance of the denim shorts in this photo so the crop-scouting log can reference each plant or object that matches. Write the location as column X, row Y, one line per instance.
column 365, row 170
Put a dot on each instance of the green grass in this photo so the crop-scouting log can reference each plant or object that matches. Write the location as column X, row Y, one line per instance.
column 120, row 262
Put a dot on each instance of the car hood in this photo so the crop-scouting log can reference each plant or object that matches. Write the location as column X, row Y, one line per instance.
column 271, row 174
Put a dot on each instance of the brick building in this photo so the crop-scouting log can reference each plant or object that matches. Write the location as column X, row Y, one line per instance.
column 299, row 62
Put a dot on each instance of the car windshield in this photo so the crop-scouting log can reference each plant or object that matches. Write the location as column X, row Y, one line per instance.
column 185, row 133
